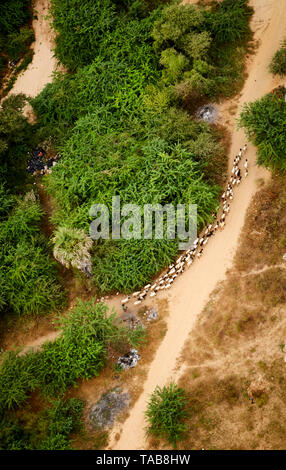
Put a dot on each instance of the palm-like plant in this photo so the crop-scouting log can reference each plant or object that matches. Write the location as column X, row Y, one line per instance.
column 71, row 248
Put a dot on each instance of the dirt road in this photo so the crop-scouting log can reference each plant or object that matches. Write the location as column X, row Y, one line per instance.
column 191, row 292
column 40, row 70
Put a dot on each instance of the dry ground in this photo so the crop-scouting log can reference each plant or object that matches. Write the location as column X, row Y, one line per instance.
column 236, row 349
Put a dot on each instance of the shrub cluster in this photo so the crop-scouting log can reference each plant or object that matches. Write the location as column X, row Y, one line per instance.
column 79, row 352
column 120, row 123
column 278, row 63
column 49, row 429
column 16, row 35
column 166, row 414
column 264, row 120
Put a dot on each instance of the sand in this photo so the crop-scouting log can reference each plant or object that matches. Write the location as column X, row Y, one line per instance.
column 40, row 70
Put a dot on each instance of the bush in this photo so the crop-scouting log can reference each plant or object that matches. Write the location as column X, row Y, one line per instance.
column 278, row 63
column 264, row 121
column 119, row 124
column 79, row 352
column 18, row 42
column 15, row 135
column 50, row 429
column 166, row 412
column 17, row 380
column 15, row 34
column 28, row 273
column 71, row 247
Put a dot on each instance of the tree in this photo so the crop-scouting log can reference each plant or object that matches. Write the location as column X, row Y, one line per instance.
column 166, row 413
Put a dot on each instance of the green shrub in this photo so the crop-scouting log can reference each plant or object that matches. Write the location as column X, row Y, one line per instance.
column 78, row 353
column 18, row 42
column 119, row 124
column 17, row 379
column 28, row 273
column 15, row 135
column 264, row 121
column 166, row 412
column 50, row 429
column 278, row 63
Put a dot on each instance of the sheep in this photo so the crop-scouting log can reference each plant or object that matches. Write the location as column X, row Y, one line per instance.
column 245, row 164
column 245, row 147
column 137, row 302
column 135, row 294
column 246, row 173
column 200, row 253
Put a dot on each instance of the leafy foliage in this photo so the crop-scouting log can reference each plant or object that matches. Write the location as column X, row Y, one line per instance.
column 264, row 121
column 15, row 33
column 27, row 272
column 50, row 429
column 119, row 120
column 166, row 412
column 71, row 247
column 278, row 63
column 15, row 135
column 79, row 352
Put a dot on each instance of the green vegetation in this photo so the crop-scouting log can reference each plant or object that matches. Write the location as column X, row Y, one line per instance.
column 79, row 352
column 122, row 120
column 15, row 137
column 15, row 33
column 166, row 414
column 264, row 121
column 28, row 275
column 278, row 63
column 49, row 429
column 28, row 279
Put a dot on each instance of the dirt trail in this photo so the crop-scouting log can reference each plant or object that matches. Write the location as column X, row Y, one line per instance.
column 40, row 70
column 190, row 293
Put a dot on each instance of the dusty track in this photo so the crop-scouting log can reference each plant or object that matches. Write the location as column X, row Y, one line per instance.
column 189, row 294
column 40, row 70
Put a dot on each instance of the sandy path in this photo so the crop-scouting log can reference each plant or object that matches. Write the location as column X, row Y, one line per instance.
column 40, row 70
column 191, row 292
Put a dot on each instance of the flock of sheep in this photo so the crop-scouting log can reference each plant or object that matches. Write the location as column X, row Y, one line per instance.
column 196, row 251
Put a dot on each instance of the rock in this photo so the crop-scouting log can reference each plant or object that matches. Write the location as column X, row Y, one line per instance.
column 207, row 113
column 284, row 257
column 151, row 314
column 129, row 359
column 104, row 412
